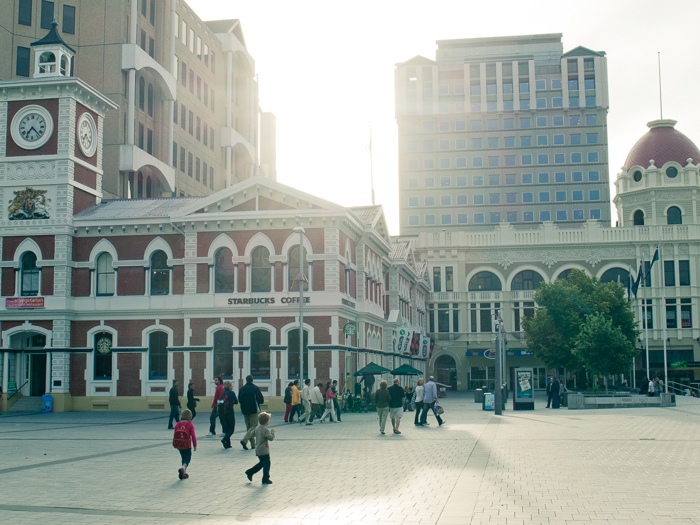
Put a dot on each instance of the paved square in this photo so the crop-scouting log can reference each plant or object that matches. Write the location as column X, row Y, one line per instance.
column 636, row 466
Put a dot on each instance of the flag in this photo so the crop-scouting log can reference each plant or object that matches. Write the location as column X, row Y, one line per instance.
column 653, row 260
column 635, row 285
column 432, row 345
column 415, row 343
column 629, row 284
column 424, row 346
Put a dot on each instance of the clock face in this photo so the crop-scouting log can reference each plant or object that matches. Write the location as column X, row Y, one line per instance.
column 86, row 134
column 32, row 127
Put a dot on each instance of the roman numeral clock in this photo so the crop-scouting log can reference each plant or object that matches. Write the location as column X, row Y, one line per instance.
column 32, row 127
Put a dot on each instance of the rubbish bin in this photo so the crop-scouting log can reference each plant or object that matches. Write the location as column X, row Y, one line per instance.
column 489, row 401
column 46, row 403
column 479, row 396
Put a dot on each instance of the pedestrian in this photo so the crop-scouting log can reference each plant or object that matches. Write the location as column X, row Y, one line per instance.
column 562, row 390
column 288, row 402
column 660, row 390
column 429, row 399
column 250, row 397
column 174, row 400
column 549, row 392
column 306, row 401
column 418, row 400
column 228, row 419
column 382, row 399
column 396, row 404
column 336, row 405
column 408, row 393
column 191, row 400
column 317, row 402
column 555, row 393
column 262, row 450
column 330, row 409
column 368, row 380
column 219, row 382
column 650, row 391
column 296, row 401
column 185, row 440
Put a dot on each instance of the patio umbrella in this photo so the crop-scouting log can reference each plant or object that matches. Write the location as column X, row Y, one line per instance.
column 372, row 369
column 406, row 370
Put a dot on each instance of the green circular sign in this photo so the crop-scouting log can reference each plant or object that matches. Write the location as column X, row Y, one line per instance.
column 350, row 329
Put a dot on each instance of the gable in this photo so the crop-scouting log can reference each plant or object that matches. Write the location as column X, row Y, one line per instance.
column 581, row 51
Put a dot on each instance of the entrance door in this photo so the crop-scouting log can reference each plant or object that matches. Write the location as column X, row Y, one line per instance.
column 37, row 374
column 446, row 371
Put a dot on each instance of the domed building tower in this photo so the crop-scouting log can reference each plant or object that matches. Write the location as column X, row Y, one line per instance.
column 659, row 183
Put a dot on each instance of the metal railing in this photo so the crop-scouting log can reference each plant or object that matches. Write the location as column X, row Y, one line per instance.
column 18, row 390
column 681, row 389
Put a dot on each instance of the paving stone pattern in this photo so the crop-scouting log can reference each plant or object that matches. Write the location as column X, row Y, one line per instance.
column 633, row 466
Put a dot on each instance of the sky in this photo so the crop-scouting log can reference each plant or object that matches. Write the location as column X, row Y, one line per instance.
column 326, row 70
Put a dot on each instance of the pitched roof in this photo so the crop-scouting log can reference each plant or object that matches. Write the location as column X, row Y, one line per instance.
column 52, row 37
column 135, row 208
column 417, row 60
column 581, row 51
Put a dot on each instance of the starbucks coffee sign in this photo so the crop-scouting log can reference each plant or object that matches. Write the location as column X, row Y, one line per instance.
column 238, row 301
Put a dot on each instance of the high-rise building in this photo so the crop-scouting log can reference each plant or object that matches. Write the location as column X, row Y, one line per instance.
column 502, row 130
column 188, row 117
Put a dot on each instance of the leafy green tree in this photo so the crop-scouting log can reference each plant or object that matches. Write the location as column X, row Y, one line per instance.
column 564, row 307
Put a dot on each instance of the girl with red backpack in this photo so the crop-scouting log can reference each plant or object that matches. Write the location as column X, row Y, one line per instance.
column 183, row 439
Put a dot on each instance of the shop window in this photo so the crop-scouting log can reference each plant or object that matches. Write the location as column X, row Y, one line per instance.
column 157, row 355
column 261, row 276
column 293, row 353
column 103, row 356
column 223, row 354
column 105, row 275
column 30, row 275
column 223, row 271
column 260, row 354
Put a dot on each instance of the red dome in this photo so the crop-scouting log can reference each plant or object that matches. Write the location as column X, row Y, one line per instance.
column 662, row 143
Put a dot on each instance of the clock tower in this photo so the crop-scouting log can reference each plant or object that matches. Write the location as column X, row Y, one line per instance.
column 50, row 169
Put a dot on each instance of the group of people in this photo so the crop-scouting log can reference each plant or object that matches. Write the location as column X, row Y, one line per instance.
column 390, row 403
column 555, row 392
column 655, row 387
column 319, row 402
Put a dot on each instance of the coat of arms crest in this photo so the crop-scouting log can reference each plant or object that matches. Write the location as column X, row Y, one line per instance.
column 29, row 204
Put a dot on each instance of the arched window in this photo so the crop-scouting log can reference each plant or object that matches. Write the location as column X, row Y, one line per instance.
column 615, row 275
column 526, row 280
column 160, row 273
column 293, row 353
column 261, row 275
column 105, row 275
column 142, row 93
column 223, row 271
column 47, row 62
column 485, row 282
column 564, row 274
column 260, row 354
column 157, row 355
column 294, row 268
column 139, row 187
column 103, row 356
column 30, row 275
column 639, row 218
column 223, row 353
column 674, row 215
column 150, row 100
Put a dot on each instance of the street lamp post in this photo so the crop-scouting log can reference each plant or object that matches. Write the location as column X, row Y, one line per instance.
column 301, row 279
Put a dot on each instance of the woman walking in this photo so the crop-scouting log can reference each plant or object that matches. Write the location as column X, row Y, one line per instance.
column 382, row 398
column 288, row 402
column 191, row 400
column 330, row 409
column 418, row 394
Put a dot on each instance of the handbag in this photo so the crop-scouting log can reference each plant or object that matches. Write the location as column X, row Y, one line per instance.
column 438, row 410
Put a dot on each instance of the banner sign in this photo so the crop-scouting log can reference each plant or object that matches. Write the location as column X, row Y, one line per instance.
column 24, row 302
column 405, row 337
column 524, row 387
column 425, row 347
column 264, row 300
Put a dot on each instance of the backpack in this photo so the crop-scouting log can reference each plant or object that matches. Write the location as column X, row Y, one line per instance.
column 181, row 438
column 222, row 405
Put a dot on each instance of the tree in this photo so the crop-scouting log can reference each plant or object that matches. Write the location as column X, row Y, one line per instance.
column 602, row 347
column 564, row 307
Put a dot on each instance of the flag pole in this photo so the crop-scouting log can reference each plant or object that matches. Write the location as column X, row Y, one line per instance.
column 663, row 307
column 645, row 316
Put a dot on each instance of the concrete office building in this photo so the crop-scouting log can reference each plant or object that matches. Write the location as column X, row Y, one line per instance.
column 188, row 117
column 502, row 130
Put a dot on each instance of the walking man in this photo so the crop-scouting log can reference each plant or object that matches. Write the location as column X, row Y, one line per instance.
column 250, row 398
column 549, row 392
column 318, row 401
column 306, row 402
column 429, row 399
column 174, row 400
column 396, row 404
column 296, row 401
column 214, row 410
column 336, row 405
column 228, row 419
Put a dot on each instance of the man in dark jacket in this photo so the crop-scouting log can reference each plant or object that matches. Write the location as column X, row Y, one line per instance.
column 250, row 397
column 174, row 399
column 396, row 404
column 228, row 421
column 549, row 391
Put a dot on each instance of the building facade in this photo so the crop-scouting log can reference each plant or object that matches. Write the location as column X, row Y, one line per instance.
column 506, row 130
column 479, row 274
column 187, row 121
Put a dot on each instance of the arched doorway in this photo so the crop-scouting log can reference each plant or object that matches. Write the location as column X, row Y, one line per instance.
column 30, row 363
column 446, row 371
